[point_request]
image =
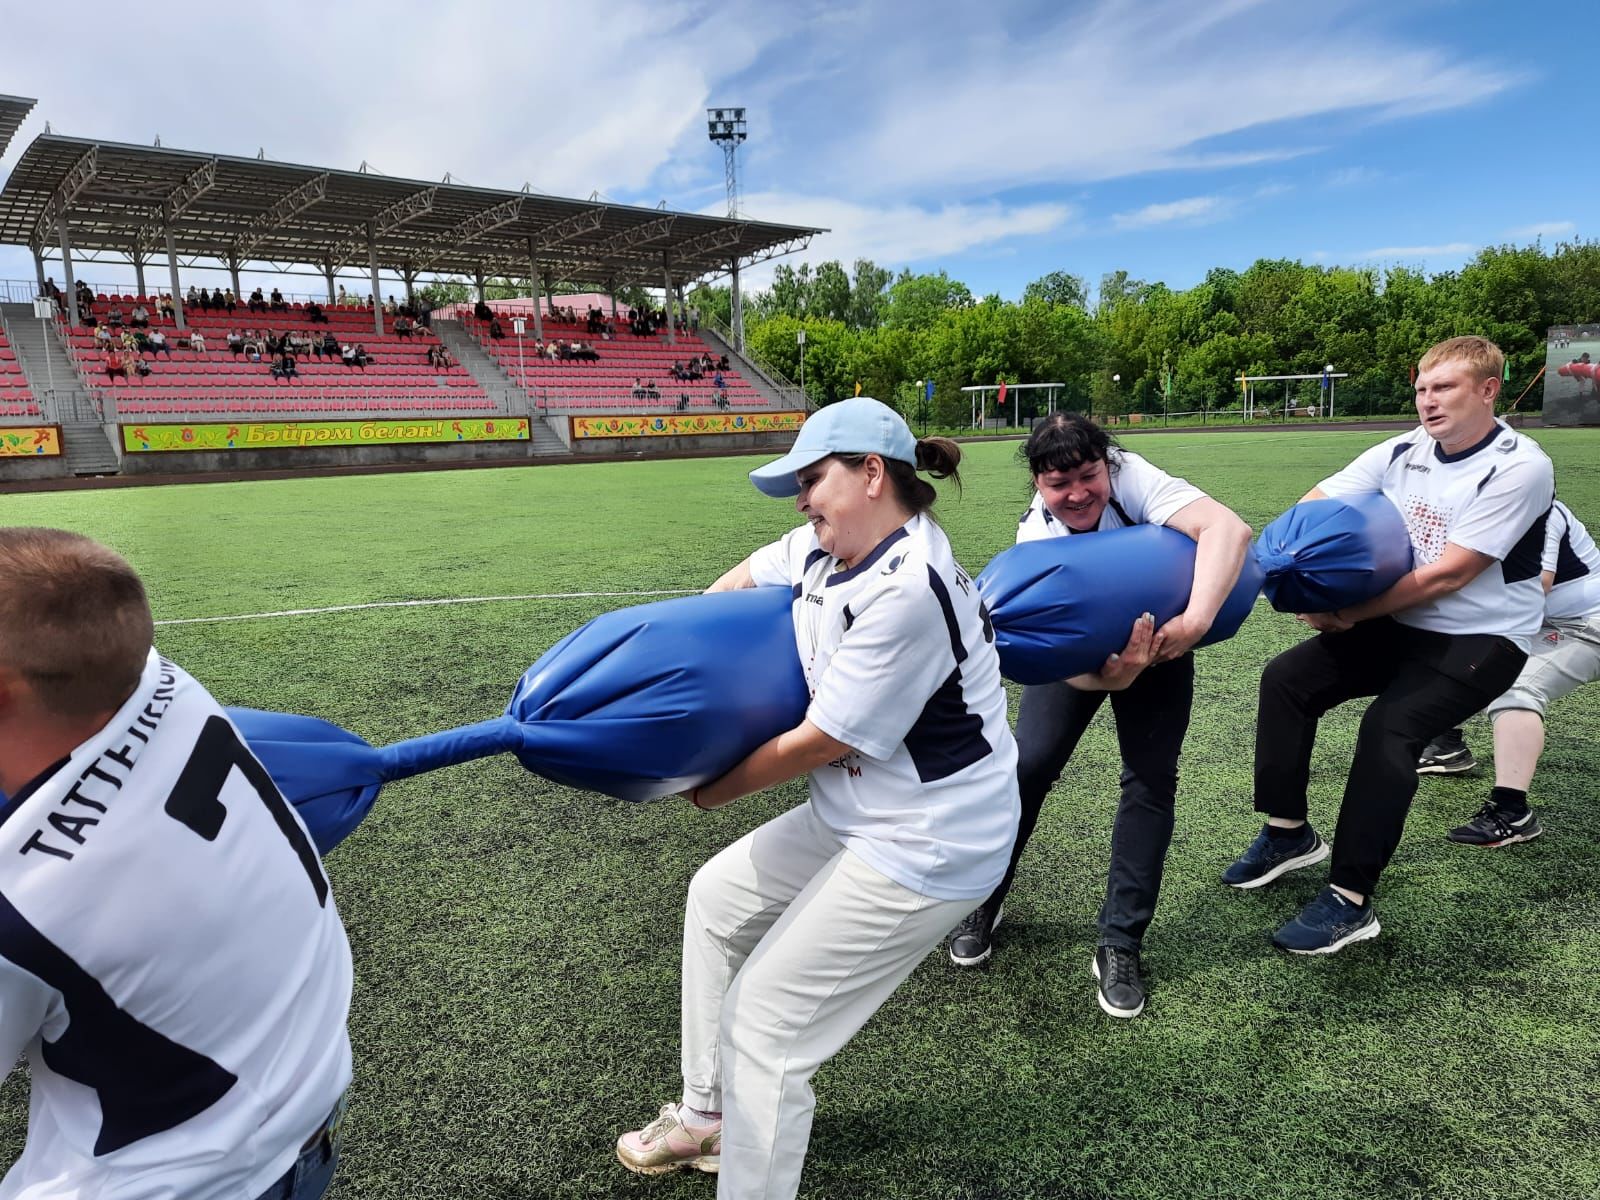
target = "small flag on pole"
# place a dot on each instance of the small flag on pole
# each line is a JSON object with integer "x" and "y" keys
{"x": 1000, "y": 403}
{"x": 858, "y": 387}
{"x": 1505, "y": 376}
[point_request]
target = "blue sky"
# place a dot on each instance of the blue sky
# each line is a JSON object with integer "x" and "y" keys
{"x": 997, "y": 141}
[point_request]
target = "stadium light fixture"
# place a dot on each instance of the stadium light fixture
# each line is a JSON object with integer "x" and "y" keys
{"x": 726, "y": 127}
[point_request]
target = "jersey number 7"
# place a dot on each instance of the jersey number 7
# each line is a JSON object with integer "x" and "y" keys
{"x": 196, "y": 801}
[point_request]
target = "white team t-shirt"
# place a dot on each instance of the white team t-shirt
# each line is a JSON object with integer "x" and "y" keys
{"x": 171, "y": 961}
{"x": 1570, "y": 552}
{"x": 899, "y": 657}
{"x": 1141, "y": 494}
{"x": 1492, "y": 498}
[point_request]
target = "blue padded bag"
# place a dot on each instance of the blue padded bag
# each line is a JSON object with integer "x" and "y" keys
{"x": 1324, "y": 555}
{"x": 656, "y": 699}
{"x": 1061, "y": 606}
{"x": 639, "y": 703}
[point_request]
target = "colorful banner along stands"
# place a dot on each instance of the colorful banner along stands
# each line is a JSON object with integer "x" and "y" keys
{"x": 295, "y": 435}
{"x": 30, "y": 441}
{"x": 684, "y": 424}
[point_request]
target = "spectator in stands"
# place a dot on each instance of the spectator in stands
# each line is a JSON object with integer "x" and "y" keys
{"x": 495, "y": 330}
{"x": 51, "y": 290}
{"x": 114, "y": 317}
{"x": 425, "y": 314}
{"x": 220, "y": 302}
{"x": 297, "y": 343}
{"x": 278, "y": 304}
{"x": 348, "y": 354}
{"x": 157, "y": 343}
{"x": 314, "y": 313}
{"x": 585, "y": 352}
{"x": 717, "y": 382}
{"x": 344, "y": 300}
{"x": 402, "y": 327}
{"x": 683, "y": 401}
{"x": 284, "y": 366}
{"x": 229, "y": 301}
{"x": 439, "y": 358}
{"x": 638, "y": 389}
{"x": 650, "y": 390}
{"x": 235, "y": 341}
{"x": 85, "y": 298}
{"x": 102, "y": 337}
{"x": 258, "y": 302}
{"x": 389, "y": 307}
{"x": 140, "y": 367}
{"x": 330, "y": 345}
{"x": 115, "y": 364}
{"x": 197, "y": 342}
{"x": 270, "y": 344}
{"x": 192, "y": 300}
{"x": 168, "y": 312}
{"x": 482, "y": 312}
{"x": 129, "y": 340}
{"x": 139, "y": 318}
{"x": 204, "y": 302}
{"x": 254, "y": 345}
{"x": 722, "y": 364}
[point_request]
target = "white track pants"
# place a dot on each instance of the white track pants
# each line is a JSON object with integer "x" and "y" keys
{"x": 790, "y": 943}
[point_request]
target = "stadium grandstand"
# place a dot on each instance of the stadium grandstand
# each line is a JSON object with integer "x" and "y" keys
{"x": 112, "y": 366}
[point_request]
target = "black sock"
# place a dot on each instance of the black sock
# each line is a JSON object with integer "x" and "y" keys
{"x": 1278, "y": 831}
{"x": 1509, "y": 800}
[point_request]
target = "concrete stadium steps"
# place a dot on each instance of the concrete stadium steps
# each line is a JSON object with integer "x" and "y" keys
{"x": 52, "y": 378}
{"x": 543, "y": 439}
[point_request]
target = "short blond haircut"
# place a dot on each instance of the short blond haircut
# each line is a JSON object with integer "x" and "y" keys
{"x": 1483, "y": 356}
{"x": 75, "y": 622}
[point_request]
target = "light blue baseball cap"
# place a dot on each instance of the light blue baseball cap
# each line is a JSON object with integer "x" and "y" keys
{"x": 860, "y": 425}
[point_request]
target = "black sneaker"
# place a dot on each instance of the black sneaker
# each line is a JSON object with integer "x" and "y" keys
{"x": 1447, "y": 754}
{"x": 1269, "y": 857}
{"x": 973, "y": 940}
{"x": 1121, "y": 991}
{"x": 1493, "y": 826}
{"x": 1327, "y": 925}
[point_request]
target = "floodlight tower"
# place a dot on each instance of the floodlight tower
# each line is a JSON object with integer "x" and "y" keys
{"x": 726, "y": 127}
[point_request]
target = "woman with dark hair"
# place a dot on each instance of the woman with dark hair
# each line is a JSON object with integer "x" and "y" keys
{"x": 1084, "y": 482}
{"x": 796, "y": 933}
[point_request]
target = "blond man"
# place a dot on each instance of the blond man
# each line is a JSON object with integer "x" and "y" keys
{"x": 171, "y": 962}
{"x": 1436, "y": 647}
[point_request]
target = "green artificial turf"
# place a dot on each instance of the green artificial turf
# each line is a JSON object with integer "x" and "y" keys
{"x": 516, "y": 943}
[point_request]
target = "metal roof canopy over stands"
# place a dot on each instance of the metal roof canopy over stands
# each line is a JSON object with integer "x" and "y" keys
{"x": 93, "y": 201}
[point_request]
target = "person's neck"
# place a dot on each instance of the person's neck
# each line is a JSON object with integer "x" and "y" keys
{"x": 874, "y": 533}
{"x": 28, "y": 748}
{"x": 1465, "y": 441}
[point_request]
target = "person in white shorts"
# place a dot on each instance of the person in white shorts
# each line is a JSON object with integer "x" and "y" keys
{"x": 1564, "y": 657}
{"x": 795, "y": 934}
{"x": 171, "y": 960}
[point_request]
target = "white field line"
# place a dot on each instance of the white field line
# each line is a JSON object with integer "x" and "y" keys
{"x": 341, "y": 608}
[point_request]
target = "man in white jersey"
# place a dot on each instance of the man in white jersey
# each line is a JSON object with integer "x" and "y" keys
{"x": 1439, "y": 645}
{"x": 171, "y": 960}
{"x": 1565, "y": 656}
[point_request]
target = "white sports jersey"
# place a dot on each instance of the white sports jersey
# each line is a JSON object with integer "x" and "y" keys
{"x": 1141, "y": 494}
{"x": 899, "y": 656}
{"x": 170, "y": 959}
{"x": 1492, "y": 498}
{"x": 1570, "y": 552}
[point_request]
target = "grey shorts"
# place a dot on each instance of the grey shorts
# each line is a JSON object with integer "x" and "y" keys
{"x": 1565, "y": 656}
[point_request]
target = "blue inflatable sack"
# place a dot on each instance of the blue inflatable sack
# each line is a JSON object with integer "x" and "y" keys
{"x": 639, "y": 703}
{"x": 1061, "y": 606}
{"x": 1324, "y": 555}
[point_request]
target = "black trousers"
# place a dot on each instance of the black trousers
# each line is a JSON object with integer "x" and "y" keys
{"x": 1424, "y": 683}
{"x": 1152, "y": 716}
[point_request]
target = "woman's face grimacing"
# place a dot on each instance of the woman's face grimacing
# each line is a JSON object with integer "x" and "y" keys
{"x": 1076, "y": 497}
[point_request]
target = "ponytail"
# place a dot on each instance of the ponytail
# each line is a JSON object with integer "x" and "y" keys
{"x": 936, "y": 455}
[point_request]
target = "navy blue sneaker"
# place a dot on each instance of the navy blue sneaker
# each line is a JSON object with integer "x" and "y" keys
{"x": 1269, "y": 857}
{"x": 1327, "y": 925}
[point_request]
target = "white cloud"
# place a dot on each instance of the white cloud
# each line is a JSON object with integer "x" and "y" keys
{"x": 1553, "y": 229}
{"x": 1120, "y": 89}
{"x": 898, "y": 235}
{"x": 1447, "y": 250}
{"x": 1196, "y": 210}
{"x": 1354, "y": 177}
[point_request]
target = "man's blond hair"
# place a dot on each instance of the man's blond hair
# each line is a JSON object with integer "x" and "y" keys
{"x": 1483, "y": 356}
{"x": 74, "y": 620}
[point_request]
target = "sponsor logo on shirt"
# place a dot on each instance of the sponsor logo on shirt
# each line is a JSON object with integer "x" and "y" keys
{"x": 1416, "y": 467}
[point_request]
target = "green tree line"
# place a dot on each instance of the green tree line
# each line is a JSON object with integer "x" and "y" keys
{"x": 1184, "y": 350}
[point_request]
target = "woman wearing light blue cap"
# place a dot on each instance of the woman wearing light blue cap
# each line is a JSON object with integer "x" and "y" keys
{"x": 799, "y": 931}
